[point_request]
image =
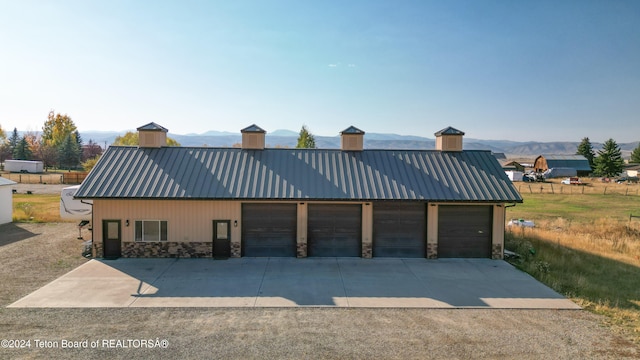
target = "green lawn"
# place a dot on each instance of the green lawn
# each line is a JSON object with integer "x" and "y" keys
{"x": 576, "y": 208}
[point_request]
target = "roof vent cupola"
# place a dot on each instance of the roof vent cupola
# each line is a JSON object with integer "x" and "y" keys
{"x": 253, "y": 137}
{"x": 152, "y": 135}
{"x": 449, "y": 139}
{"x": 352, "y": 139}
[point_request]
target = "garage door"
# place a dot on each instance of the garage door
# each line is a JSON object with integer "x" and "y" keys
{"x": 464, "y": 231}
{"x": 334, "y": 230}
{"x": 268, "y": 230}
{"x": 399, "y": 229}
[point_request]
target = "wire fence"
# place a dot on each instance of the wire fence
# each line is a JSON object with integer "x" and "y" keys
{"x": 593, "y": 189}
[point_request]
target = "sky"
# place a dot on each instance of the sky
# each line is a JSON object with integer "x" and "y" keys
{"x": 543, "y": 70}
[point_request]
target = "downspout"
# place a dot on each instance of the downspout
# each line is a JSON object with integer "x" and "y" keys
{"x": 504, "y": 220}
{"x": 91, "y": 228}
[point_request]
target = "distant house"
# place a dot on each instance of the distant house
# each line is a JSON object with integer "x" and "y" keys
{"x": 158, "y": 201}
{"x": 499, "y": 156}
{"x": 562, "y": 163}
{"x": 631, "y": 170}
{"x": 6, "y": 201}
{"x": 512, "y": 165}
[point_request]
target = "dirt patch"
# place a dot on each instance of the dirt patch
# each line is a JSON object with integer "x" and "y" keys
{"x": 35, "y": 254}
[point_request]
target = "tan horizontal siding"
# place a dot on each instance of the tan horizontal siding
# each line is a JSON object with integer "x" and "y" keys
{"x": 188, "y": 220}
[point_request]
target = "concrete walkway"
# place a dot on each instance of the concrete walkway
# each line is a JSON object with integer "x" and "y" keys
{"x": 289, "y": 282}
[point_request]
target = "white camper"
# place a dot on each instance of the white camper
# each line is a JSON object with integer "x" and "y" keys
{"x": 71, "y": 208}
{"x": 23, "y": 166}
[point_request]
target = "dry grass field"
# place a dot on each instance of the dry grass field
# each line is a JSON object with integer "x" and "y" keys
{"x": 40, "y": 208}
{"x": 587, "y": 248}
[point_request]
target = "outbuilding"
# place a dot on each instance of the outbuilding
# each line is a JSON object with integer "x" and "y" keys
{"x": 6, "y": 201}
{"x": 158, "y": 201}
{"x": 575, "y": 164}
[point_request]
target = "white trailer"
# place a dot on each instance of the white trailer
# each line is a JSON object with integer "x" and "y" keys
{"x": 71, "y": 208}
{"x": 24, "y": 166}
{"x": 514, "y": 175}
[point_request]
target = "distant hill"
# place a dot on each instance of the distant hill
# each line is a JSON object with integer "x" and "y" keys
{"x": 288, "y": 138}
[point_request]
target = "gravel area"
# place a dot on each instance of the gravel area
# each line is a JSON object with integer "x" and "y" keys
{"x": 34, "y": 254}
{"x": 40, "y": 188}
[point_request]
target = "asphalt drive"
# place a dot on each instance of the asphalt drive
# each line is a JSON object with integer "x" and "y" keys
{"x": 290, "y": 282}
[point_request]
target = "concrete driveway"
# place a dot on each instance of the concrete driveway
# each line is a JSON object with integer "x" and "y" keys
{"x": 289, "y": 282}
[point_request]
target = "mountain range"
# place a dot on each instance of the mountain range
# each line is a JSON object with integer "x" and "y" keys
{"x": 288, "y": 138}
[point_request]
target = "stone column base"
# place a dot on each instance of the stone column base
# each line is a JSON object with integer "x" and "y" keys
{"x": 496, "y": 252}
{"x": 301, "y": 250}
{"x": 236, "y": 250}
{"x": 367, "y": 250}
{"x": 432, "y": 251}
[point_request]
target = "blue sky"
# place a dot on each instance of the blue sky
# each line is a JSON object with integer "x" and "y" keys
{"x": 519, "y": 70}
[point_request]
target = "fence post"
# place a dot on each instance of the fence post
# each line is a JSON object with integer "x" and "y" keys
{"x": 530, "y": 191}
{"x": 605, "y": 191}
{"x": 553, "y": 192}
{"x": 583, "y": 190}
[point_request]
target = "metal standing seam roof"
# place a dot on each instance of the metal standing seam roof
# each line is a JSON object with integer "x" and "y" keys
{"x": 296, "y": 174}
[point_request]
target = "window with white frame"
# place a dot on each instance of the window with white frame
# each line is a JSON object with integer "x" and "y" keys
{"x": 151, "y": 230}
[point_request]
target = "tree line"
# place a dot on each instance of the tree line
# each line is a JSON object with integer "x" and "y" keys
{"x": 59, "y": 145}
{"x": 608, "y": 161}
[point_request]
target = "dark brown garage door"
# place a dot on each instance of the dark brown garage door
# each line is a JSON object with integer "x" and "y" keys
{"x": 464, "y": 231}
{"x": 399, "y": 229}
{"x": 268, "y": 230}
{"x": 334, "y": 230}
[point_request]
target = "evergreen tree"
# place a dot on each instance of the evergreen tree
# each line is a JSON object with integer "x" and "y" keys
{"x": 586, "y": 149}
{"x": 69, "y": 153}
{"x": 635, "y": 155}
{"x": 78, "y": 138}
{"x": 306, "y": 140}
{"x": 14, "y": 139}
{"x": 22, "y": 150}
{"x": 609, "y": 162}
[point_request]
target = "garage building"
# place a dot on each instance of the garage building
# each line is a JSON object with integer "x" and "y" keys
{"x": 158, "y": 201}
{"x": 6, "y": 200}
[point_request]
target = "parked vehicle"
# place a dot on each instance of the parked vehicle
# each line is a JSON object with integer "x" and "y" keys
{"x": 571, "y": 181}
{"x": 71, "y": 208}
{"x": 629, "y": 179}
{"x": 521, "y": 222}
